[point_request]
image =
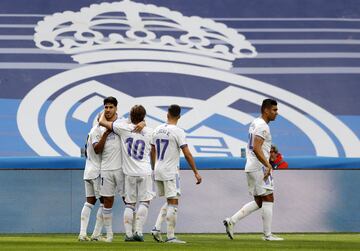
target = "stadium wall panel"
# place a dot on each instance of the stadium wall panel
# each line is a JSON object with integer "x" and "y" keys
{"x": 50, "y": 200}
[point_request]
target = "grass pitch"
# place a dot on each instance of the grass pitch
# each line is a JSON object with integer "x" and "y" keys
{"x": 206, "y": 242}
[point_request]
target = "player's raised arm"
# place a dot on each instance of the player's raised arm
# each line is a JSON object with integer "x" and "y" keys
{"x": 258, "y": 142}
{"x": 189, "y": 158}
{"x": 99, "y": 146}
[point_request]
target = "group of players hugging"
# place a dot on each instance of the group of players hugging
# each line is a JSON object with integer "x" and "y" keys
{"x": 124, "y": 156}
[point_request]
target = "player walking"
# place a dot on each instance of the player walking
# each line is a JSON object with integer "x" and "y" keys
{"x": 167, "y": 141}
{"x": 258, "y": 172}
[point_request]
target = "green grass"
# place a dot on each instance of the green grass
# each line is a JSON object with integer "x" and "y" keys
{"x": 206, "y": 242}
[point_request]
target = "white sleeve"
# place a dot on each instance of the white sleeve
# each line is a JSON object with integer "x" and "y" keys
{"x": 152, "y": 138}
{"x": 261, "y": 131}
{"x": 120, "y": 126}
{"x": 95, "y": 136}
{"x": 181, "y": 138}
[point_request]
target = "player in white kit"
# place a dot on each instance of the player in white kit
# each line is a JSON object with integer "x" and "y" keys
{"x": 112, "y": 176}
{"x": 137, "y": 168}
{"x": 92, "y": 182}
{"x": 258, "y": 172}
{"x": 167, "y": 141}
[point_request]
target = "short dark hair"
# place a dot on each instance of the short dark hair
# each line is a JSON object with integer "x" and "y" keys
{"x": 174, "y": 111}
{"x": 110, "y": 100}
{"x": 137, "y": 114}
{"x": 267, "y": 103}
{"x": 274, "y": 148}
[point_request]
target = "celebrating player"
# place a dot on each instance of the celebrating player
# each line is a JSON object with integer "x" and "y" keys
{"x": 137, "y": 169}
{"x": 94, "y": 148}
{"x": 112, "y": 176}
{"x": 167, "y": 141}
{"x": 258, "y": 172}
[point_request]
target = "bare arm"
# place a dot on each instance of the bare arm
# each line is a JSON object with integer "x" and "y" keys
{"x": 152, "y": 156}
{"x": 139, "y": 126}
{"x": 99, "y": 146}
{"x": 258, "y": 142}
{"x": 189, "y": 158}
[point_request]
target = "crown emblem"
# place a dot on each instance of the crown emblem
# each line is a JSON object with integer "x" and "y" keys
{"x": 129, "y": 30}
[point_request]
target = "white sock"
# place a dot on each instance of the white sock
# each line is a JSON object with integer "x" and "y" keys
{"x": 128, "y": 219}
{"x": 85, "y": 215}
{"x": 141, "y": 216}
{"x": 134, "y": 220}
{"x": 171, "y": 217}
{"x": 244, "y": 211}
{"x": 267, "y": 209}
{"x": 107, "y": 217}
{"x": 99, "y": 221}
{"x": 161, "y": 217}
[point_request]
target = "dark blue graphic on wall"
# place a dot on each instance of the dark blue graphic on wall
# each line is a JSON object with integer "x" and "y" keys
{"x": 217, "y": 59}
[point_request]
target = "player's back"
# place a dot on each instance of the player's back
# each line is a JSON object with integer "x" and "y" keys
{"x": 168, "y": 140}
{"x": 261, "y": 129}
{"x": 93, "y": 160}
{"x": 135, "y": 149}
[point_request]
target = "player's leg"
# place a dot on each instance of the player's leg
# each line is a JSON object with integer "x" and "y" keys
{"x": 247, "y": 209}
{"x": 172, "y": 193}
{"x": 267, "y": 209}
{"x": 96, "y": 235}
{"x": 161, "y": 217}
{"x": 156, "y": 231}
{"x": 86, "y": 210}
{"x": 107, "y": 191}
{"x": 128, "y": 221}
{"x": 145, "y": 193}
{"x": 121, "y": 191}
{"x": 130, "y": 201}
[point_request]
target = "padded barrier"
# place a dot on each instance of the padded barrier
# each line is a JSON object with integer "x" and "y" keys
{"x": 74, "y": 163}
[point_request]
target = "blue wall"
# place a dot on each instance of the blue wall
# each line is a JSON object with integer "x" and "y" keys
{"x": 305, "y": 48}
{"x": 45, "y": 195}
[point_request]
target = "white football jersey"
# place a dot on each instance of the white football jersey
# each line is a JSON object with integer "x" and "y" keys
{"x": 257, "y": 128}
{"x": 168, "y": 140}
{"x": 135, "y": 148}
{"x": 93, "y": 160}
{"x": 111, "y": 158}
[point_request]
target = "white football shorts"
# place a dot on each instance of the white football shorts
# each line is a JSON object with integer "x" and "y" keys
{"x": 92, "y": 187}
{"x": 112, "y": 182}
{"x": 256, "y": 184}
{"x": 138, "y": 188}
{"x": 169, "y": 188}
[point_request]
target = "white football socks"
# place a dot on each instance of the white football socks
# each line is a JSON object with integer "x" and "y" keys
{"x": 85, "y": 215}
{"x": 107, "y": 217}
{"x": 267, "y": 211}
{"x": 244, "y": 211}
{"x": 128, "y": 219}
{"x": 161, "y": 217}
{"x": 171, "y": 218}
{"x": 99, "y": 221}
{"x": 141, "y": 216}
